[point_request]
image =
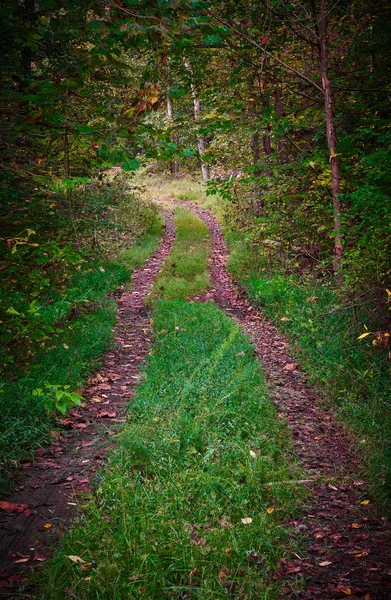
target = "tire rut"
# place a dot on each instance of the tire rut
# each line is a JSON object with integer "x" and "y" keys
{"x": 346, "y": 544}
{"x": 50, "y": 487}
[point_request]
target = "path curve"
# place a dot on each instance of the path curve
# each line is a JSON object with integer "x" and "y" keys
{"x": 347, "y": 544}
{"x": 49, "y": 488}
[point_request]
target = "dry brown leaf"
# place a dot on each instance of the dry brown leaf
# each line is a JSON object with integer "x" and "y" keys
{"x": 11, "y": 507}
{"x": 77, "y": 559}
{"x": 325, "y": 563}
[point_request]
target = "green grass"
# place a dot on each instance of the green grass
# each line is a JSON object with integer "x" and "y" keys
{"x": 323, "y": 330}
{"x": 183, "y": 189}
{"x": 82, "y": 319}
{"x": 185, "y": 273}
{"x": 202, "y": 450}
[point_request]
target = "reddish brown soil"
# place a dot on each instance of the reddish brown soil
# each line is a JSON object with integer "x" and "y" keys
{"x": 345, "y": 541}
{"x": 50, "y": 487}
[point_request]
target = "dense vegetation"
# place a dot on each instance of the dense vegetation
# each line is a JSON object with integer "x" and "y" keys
{"x": 284, "y": 105}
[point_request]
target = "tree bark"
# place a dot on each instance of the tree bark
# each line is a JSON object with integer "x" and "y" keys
{"x": 205, "y": 171}
{"x": 170, "y": 117}
{"x": 331, "y": 134}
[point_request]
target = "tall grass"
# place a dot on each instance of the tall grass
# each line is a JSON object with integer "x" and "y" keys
{"x": 192, "y": 501}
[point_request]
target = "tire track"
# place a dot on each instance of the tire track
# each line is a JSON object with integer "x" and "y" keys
{"x": 50, "y": 487}
{"x": 346, "y": 541}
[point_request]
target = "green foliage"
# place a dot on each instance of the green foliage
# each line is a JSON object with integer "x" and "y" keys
{"x": 182, "y": 506}
{"x": 56, "y": 397}
{"x": 57, "y": 318}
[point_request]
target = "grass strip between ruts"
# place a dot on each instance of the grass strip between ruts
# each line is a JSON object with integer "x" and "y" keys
{"x": 185, "y": 273}
{"x": 192, "y": 501}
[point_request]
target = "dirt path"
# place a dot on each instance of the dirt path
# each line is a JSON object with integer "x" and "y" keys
{"x": 346, "y": 542}
{"x": 49, "y": 488}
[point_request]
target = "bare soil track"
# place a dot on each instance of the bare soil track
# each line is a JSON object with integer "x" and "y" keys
{"x": 51, "y": 486}
{"x": 346, "y": 541}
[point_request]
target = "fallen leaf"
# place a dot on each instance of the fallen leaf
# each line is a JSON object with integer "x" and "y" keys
{"x": 365, "y": 502}
{"x": 10, "y": 507}
{"x": 356, "y": 526}
{"x": 361, "y": 554}
{"x": 225, "y": 523}
{"x": 39, "y": 557}
{"x": 21, "y": 560}
{"x": 193, "y": 572}
{"x": 290, "y": 367}
{"x": 252, "y": 453}
{"x": 290, "y": 570}
{"x": 343, "y": 590}
{"x": 270, "y": 511}
{"x": 77, "y": 559}
{"x": 325, "y": 563}
{"x": 48, "y": 525}
{"x": 246, "y": 520}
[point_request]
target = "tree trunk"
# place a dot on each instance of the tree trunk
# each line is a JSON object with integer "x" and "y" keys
{"x": 197, "y": 110}
{"x": 331, "y": 134}
{"x": 170, "y": 117}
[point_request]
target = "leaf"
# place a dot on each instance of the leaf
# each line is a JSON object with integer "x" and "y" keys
{"x": 77, "y": 559}
{"x": 364, "y": 335}
{"x": 365, "y": 502}
{"x": 325, "y": 563}
{"x": 212, "y": 40}
{"x": 22, "y": 560}
{"x": 188, "y": 152}
{"x": 48, "y": 525}
{"x": 246, "y": 520}
{"x": 11, "y": 507}
{"x": 130, "y": 165}
{"x": 176, "y": 92}
{"x": 290, "y": 367}
{"x": 252, "y": 453}
{"x": 343, "y": 590}
{"x": 270, "y": 511}
{"x": 12, "y": 311}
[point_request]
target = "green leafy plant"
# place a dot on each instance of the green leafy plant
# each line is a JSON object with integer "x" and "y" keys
{"x": 57, "y": 397}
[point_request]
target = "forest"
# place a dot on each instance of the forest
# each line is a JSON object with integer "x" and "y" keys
{"x": 195, "y": 263}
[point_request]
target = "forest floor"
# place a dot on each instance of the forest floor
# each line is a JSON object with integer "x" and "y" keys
{"x": 344, "y": 540}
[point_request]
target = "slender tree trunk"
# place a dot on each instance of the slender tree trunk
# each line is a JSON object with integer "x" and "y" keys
{"x": 197, "y": 111}
{"x": 280, "y": 112}
{"x": 331, "y": 134}
{"x": 170, "y": 117}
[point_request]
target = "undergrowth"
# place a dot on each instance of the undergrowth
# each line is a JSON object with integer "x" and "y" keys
{"x": 58, "y": 319}
{"x": 192, "y": 500}
{"x": 324, "y": 331}
{"x": 185, "y": 273}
